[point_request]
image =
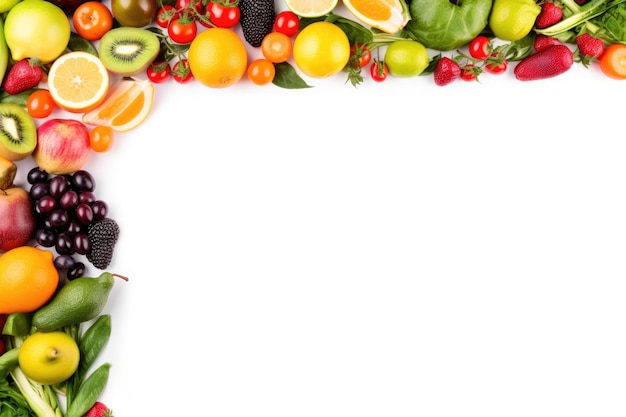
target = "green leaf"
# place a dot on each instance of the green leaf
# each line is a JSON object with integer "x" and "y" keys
{"x": 78, "y": 43}
{"x": 287, "y": 77}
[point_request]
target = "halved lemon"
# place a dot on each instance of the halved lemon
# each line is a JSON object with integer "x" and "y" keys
{"x": 78, "y": 81}
{"x": 390, "y": 16}
{"x": 127, "y": 105}
{"x": 311, "y": 8}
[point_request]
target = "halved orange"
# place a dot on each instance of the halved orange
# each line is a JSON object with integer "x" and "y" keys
{"x": 78, "y": 81}
{"x": 311, "y": 8}
{"x": 390, "y": 16}
{"x": 127, "y": 105}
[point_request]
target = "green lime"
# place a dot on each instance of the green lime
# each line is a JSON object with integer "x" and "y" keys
{"x": 406, "y": 58}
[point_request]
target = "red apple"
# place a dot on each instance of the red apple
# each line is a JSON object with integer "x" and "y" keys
{"x": 62, "y": 146}
{"x": 17, "y": 221}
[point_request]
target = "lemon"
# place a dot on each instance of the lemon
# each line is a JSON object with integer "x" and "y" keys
{"x": 406, "y": 58}
{"x": 321, "y": 49}
{"x": 49, "y": 358}
{"x": 36, "y": 29}
{"x": 311, "y": 8}
{"x": 511, "y": 20}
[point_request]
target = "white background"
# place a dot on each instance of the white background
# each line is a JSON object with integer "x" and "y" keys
{"x": 396, "y": 249}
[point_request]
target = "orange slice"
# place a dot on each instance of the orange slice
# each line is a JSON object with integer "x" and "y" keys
{"x": 127, "y": 105}
{"x": 390, "y": 16}
{"x": 78, "y": 81}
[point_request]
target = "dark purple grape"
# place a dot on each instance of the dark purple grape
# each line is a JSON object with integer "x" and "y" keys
{"x": 63, "y": 262}
{"x": 58, "y": 185}
{"x": 58, "y": 218}
{"x": 76, "y": 271}
{"x": 86, "y": 197}
{"x": 84, "y": 213}
{"x": 36, "y": 175}
{"x": 38, "y": 190}
{"x": 81, "y": 243}
{"x": 64, "y": 244}
{"x": 74, "y": 227}
{"x": 100, "y": 209}
{"x": 83, "y": 181}
{"x": 45, "y": 237}
{"x": 69, "y": 199}
{"x": 45, "y": 204}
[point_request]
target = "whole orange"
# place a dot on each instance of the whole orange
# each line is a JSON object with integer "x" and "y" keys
{"x": 28, "y": 279}
{"x": 217, "y": 57}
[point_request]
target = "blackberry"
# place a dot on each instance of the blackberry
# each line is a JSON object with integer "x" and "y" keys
{"x": 257, "y": 19}
{"x": 102, "y": 235}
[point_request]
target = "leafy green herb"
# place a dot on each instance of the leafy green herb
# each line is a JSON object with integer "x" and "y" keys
{"x": 287, "y": 77}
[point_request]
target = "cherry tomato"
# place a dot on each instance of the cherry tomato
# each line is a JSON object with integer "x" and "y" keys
{"x": 92, "y": 20}
{"x": 379, "y": 71}
{"x": 261, "y": 71}
{"x": 40, "y": 104}
{"x": 101, "y": 138}
{"x": 181, "y": 72}
{"x": 159, "y": 72}
{"x": 182, "y": 30}
{"x": 468, "y": 73}
{"x": 480, "y": 47}
{"x": 165, "y": 15}
{"x": 189, "y": 8}
{"x": 498, "y": 64}
{"x": 287, "y": 22}
{"x": 613, "y": 61}
{"x": 223, "y": 16}
{"x": 360, "y": 55}
{"x": 276, "y": 47}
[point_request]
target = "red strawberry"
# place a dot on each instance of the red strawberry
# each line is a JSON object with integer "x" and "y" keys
{"x": 549, "y": 15}
{"x": 550, "y": 62}
{"x": 543, "y": 41}
{"x": 446, "y": 71}
{"x": 99, "y": 410}
{"x": 24, "y": 74}
{"x": 589, "y": 48}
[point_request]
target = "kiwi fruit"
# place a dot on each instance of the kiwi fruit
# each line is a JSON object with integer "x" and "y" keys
{"x": 18, "y": 132}
{"x": 128, "y": 51}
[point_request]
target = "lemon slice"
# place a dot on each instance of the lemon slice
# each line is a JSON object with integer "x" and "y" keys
{"x": 78, "y": 81}
{"x": 387, "y": 15}
{"x": 311, "y": 8}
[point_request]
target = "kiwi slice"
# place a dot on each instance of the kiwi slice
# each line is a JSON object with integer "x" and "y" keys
{"x": 128, "y": 51}
{"x": 18, "y": 132}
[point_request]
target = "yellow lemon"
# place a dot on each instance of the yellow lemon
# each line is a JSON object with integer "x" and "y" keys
{"x": 321, "y": 49}
{"x": 36, "y": 29}
{"x": 49, "y": 358}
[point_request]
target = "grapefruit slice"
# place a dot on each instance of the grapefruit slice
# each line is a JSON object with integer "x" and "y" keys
{"x": 127, "y": 105}
{"x": 311, "y": 8}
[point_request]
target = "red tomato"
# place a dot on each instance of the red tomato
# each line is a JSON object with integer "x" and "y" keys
{"x": 189, "y": 7}
{"x": 613, "y": 61}
{"x": 360, "y": 55}
{"x": 223, "y": 16}
{"x": 497, "y": 66}
{"x": 159, "y": 72}
{"x": 182, "y": 30}
{"x": 287, "y": 22}
{"x": 40, "y": 104}
{"x": 379, "y": 71}
{"x": 181, "y": 71}
{"x": 92, "y": 20}
{"x": 468, "y": 73}
{"x": 165, "y": 15}
{"x": 480, "y": 47}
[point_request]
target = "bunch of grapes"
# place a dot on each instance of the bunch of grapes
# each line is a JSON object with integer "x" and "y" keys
{"x": 65, "y": 206}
